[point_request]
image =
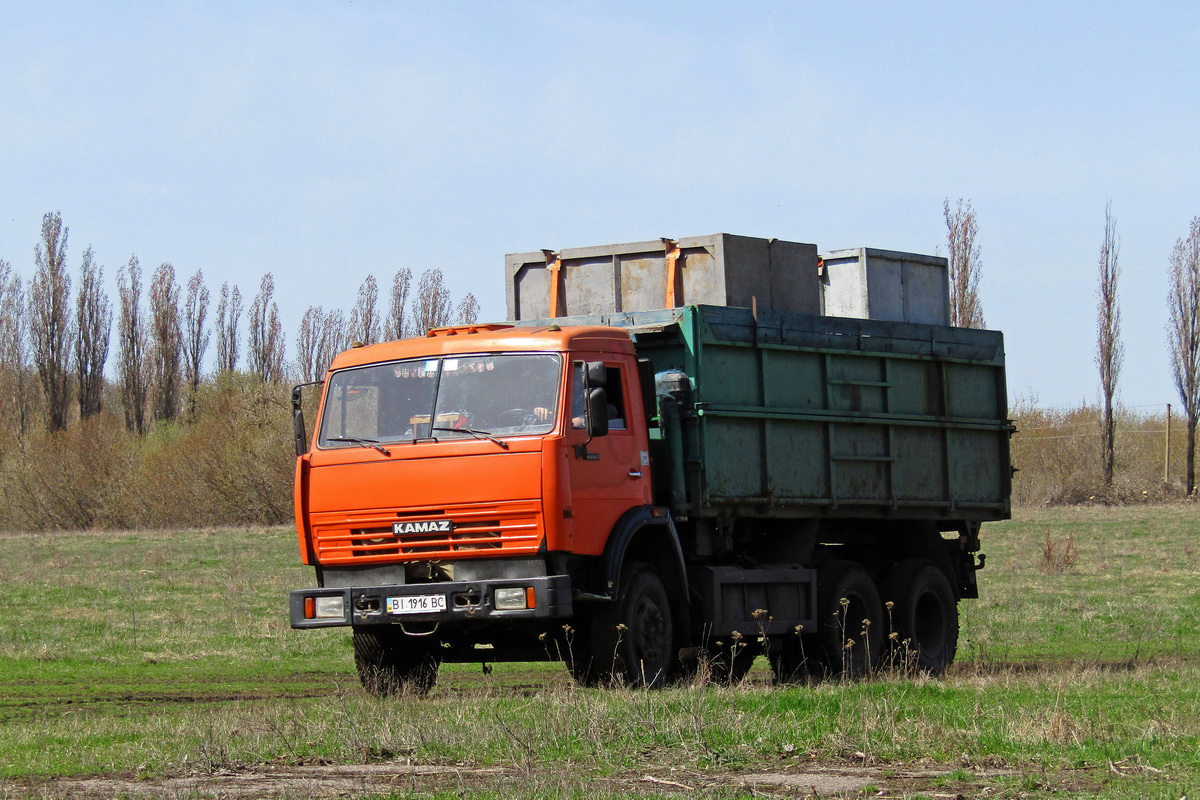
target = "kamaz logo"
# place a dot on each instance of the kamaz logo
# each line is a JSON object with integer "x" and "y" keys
{"x": 431, "y": 526}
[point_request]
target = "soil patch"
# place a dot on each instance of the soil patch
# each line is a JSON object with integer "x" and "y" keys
{"x": 364, "y": 780}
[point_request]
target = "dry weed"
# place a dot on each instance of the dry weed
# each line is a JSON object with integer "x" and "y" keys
{"x": 1058, "y": 557}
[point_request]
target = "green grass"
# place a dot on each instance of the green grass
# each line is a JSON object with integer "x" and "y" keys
{"x": 1131, "y": 594}
{"x": 160, "y": 654}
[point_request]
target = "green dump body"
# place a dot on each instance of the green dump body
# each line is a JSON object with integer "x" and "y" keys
{"x": 791, "y": 415}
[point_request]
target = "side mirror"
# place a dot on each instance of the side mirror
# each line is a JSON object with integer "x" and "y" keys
{"x": 597, "y": 375}
{"x": 298, "y": 433}
{"x": 597, "y": 413}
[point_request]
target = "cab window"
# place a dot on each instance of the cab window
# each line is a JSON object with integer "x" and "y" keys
{"x": 614, "y": 390}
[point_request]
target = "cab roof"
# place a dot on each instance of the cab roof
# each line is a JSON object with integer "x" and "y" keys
{"x": 490, "y": 338}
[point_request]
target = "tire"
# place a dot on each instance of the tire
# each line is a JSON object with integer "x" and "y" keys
{"x": 390, "y": 662}
{"x": 632, "y": 640}
{"x": 850, "y": 621}
{"x": 924, "y": 616}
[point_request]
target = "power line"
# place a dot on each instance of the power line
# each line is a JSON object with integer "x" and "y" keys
{"x": 1085, "y": 435}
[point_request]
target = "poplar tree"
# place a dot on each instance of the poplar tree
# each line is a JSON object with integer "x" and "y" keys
{"x": 1109, "y": 351}
{"x": 265, "y": 344}
{"x": 1183, "y": 301}
{"x": 14, "y": 383}
{"x": 195, "y": 335}
{"x": 431, "y": 306}
{"x": 396, "y": 326}
{"x": 308, "y": 345}
{"x": 93, "y": 326}
{"x": 229, "y": 313}
{"x": 50, "y": 320}
{"x": 468, "y": 310}
{"x": 167, "y": 342}
{"x": 962, "y": 228}
{"x": 132, "y": 363}
{"x": 335, "y": 337}
{"x": 364, "y": 318}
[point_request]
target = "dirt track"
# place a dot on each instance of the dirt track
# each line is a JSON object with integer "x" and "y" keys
{"x": 353, "y": 780}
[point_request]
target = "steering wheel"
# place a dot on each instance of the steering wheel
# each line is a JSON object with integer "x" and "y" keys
{"x": 514, "y": 417}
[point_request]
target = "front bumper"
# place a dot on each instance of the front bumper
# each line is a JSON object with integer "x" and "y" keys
{"x": 466, "y": 602}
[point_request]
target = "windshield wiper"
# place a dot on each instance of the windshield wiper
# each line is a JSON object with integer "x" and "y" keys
{"x": 476, "y": 434}
{"x": 371, "y": 443}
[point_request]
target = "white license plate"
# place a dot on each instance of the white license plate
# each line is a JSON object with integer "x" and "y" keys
{"x": 416, "y": 604}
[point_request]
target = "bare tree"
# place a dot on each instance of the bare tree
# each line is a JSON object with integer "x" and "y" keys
{"x": 468, "y": 310}
{"x": 1109, "y": 351}
{"x": 308, "y": 344}
{"x": 93, "y": 324}
{"x": 431, "y": 306}
{"x": 966, "y": 311}
{"x": 132, "y": 366}
{"x": 50, "y": 320}
{"x": 166, "y": 352}
{"x": 195, "y": 335}
{"x": 1183, "y": 330}
{"x": 322, "y": 335}
{"x": 265, "y": 349}
{"x": 364, "y": 318}
{"x": 335, "y": 337}
{"x": 396, "y": 324}
{"x": 229, "y": 312}
{"x": 14, "y": 386}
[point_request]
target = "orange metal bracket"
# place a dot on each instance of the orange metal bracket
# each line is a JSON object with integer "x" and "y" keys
{"x": 554, "y": 264}
{"x": 674, "y": 254}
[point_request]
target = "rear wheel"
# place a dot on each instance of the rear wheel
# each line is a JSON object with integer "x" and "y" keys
{"x": 849, "y": 621}
{"x": 631, "y": 640}
{"x": 924, "y": 616}
{"x": 391, "y": 662}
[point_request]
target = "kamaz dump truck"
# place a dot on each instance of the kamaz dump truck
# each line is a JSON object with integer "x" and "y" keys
{"x": 668, "y": 459}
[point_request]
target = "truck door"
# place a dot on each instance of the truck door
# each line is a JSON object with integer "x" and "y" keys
{"x": 613, "y": 475}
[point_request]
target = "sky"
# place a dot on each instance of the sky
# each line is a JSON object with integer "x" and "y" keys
{"x": 325, "y": 141}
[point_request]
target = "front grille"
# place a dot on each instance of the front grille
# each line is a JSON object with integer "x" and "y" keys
{"x": 510, "y": 529}
{"x": 484, "y": 535}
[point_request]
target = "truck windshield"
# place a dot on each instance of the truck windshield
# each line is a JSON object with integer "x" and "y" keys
{"x": 512, "y": 394}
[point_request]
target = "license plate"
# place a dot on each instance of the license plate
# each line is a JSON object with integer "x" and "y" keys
{"x": 416, "y": 604}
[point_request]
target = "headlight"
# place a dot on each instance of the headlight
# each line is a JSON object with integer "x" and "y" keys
{"x": 510, "y": 599}
{"x": 330, "y": 608}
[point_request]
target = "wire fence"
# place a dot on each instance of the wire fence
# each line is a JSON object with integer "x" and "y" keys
{"x": 1059, "y": 454}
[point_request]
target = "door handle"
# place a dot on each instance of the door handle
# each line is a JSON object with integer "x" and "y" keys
{"x": 635, "y": 473}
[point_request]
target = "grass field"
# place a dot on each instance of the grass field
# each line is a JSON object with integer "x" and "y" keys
{"x": 160, "y": 663}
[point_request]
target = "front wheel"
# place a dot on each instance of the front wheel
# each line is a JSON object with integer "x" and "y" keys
{"x": 631, "y": 640}
{"x": 391, "y": 662}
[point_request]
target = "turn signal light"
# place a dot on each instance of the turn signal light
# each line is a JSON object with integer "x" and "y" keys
{"x": 324, "y": 608}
